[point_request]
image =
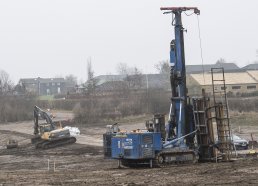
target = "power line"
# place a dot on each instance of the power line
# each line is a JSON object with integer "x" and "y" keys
{"x": 200, "y": 40}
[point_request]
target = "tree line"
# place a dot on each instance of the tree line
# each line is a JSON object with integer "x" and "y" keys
{"x": 126, "y": 100}
{"x": 91, "y": 108}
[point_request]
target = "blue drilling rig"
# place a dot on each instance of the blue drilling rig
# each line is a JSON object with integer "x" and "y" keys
{"x": 162, "y": 143}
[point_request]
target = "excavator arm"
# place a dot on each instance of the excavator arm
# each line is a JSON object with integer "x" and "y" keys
{"x": 38, "y": 112}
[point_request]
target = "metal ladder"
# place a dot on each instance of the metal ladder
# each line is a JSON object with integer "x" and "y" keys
{"x": 222, "y": 113}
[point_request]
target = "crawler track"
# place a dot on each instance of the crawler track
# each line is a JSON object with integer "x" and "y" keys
{"x": 171, "y": 157}
{"x": 52, "y": 144}
{"x": 165, "y": 158}
{"x": 44, "y": 144}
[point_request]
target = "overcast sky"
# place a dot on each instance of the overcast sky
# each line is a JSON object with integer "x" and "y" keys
{"x": 49, "y": 38}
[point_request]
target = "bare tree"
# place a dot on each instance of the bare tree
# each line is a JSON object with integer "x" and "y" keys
{"x": 220, "y": 61}
{"x": 6, "y": 85}
{"x": 122, "y": 69}
{"x": 135, "y": 79}
{"x": 91, "y": 83}
{"x": 71, "y": 79}
{"x": 163, "y": 67}
{"x": 71, "y": 83}
{"x": 20, "y": 88}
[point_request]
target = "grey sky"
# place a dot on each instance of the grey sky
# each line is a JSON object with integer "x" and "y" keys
{"x": 48, "y": 38}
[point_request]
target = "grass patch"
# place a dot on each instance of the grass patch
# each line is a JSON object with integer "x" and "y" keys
{"x": 46, "y": 97}
{"x": 244, "y": 119}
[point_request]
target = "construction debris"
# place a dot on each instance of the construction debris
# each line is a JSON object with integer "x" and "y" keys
{"x": 74, "y": 131}
{"x": 11, "y": 143}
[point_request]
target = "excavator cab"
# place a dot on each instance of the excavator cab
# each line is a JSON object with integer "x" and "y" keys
{"x": 44, "y": 128}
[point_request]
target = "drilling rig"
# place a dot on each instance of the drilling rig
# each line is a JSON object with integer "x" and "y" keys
{"x": 186, "y": 136}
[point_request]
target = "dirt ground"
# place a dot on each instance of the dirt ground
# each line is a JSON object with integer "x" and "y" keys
{"x": 83, "y": 163}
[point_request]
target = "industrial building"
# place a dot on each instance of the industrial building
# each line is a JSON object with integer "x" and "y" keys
{"x": 237, "y": 83}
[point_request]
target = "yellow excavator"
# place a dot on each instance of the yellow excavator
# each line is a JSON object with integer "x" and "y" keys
{"x": 46, "y": 135}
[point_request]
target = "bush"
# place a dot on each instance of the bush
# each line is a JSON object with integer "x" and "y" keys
{"x": 20, "y": 108}
{"x": 16, "y": 108}
{"x": 87, "y": 111}
{"x": 112, "y": 107}
{"x": 243, "y": 105}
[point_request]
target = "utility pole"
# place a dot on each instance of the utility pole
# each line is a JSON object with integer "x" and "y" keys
{"x": 38, "y": 86}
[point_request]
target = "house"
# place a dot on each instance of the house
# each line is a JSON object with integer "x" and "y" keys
{"x": 145, "y": 80}
{"x": 109, "y": 78}
{"x": 156, "y": 81}
{"x": 44, "y": 86}
{"x": 112, "y": 88}
{"x": 109, "y": 83}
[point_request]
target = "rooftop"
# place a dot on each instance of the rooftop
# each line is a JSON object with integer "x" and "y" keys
{"x": 251, "y": 67}
{"x": 207, "y": 68}
{"x": 230, "y": 78}
{"x": 42, "y": 80}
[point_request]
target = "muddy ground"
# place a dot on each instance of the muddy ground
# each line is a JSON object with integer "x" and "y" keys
{"x": 83, "y": 164}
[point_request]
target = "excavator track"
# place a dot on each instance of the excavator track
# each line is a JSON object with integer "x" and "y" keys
{"x": 174, "y": 157}
{"x": 51, "y": 144}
